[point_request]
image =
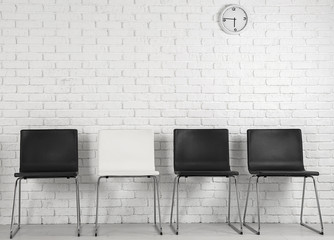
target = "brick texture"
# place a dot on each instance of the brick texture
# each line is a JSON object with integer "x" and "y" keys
{"x": 165, "y": 64}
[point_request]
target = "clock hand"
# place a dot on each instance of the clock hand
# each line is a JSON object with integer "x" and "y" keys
{"x": 234, "y": 21}
{"x": 229, "y": 18}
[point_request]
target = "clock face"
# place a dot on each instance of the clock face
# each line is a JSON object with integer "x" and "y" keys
{"x": 233, "y": 19}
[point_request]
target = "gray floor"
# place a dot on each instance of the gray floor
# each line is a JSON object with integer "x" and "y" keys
{"x": 148, "y": 232}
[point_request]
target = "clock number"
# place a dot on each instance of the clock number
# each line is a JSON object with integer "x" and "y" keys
{"x": 233, "y": 9}
{"x": 235, "y": 29}
{"x": 245, "y": 18}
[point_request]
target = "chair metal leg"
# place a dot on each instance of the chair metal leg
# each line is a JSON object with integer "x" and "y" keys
{"x": 176, "y": 187}
{"x": 258, "y": 206}
{"x": 318, "y": 204}
{"x": 12, "y": 224}
{"x": 78, "y": 206}
{"x": 177, "y": 206}
{"x": 19, "y": 222}
{"x": 229, "y": 205}
{"x": 13, "y": 230}
{"x": 97, "y": 205}
{"x": 238, "y": 202}
{"x": 173, "y": 197}
{"x": 229, "y": 201}
{"x": 246, "y": 204}
{"x": 155, "y": 204}
{"x": 157, "y": 195}
{"x": 156, "y": 191}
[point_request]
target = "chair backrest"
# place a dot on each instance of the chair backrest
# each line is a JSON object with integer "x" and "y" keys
{"x": 125, "y": 150}
{"x": 275, "y": 150}
{"x": 49, "y": 150}
{"x": 201, "y": 150}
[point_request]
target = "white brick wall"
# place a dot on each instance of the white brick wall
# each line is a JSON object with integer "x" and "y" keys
{"x": 165, "y": 64}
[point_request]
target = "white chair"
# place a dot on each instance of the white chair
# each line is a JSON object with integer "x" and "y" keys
{"x": 127, "y": 153}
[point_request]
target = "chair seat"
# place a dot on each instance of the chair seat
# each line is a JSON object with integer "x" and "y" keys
{"x": 207, "y": 173}
{"x": 129, "y": 173}
{"x": 46, "y": 174}
{"x": 285, "y": 173}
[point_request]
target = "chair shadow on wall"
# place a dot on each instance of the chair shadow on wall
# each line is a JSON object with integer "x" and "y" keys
{"x": 238, "y": 159}
{"x": 166, "y": 160}
{"x": 87, "y": 206}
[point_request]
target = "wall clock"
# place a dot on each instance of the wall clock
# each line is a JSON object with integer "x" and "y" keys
{"x": 233, "y": 19}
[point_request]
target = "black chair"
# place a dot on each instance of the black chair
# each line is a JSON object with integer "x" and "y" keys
{"x": 277, "y": 153}
{"x": 202, "y": 153}
{"x": 47, "y": 154}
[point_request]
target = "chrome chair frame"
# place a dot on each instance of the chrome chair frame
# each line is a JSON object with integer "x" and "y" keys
{"x": 156, "y": 194}
{"x": 321, "y": 231}
{"x": 13, "y": 230}
{"x": 176, "y": 185}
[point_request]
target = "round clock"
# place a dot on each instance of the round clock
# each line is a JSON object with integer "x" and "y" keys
{"x": 233, "y": 19}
